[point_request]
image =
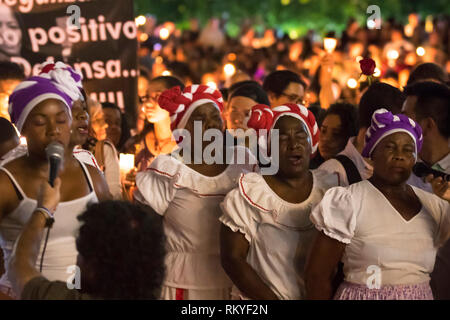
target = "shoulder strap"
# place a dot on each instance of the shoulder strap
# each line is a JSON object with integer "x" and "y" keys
{"x": 99, "y": 154}
{"x": 20, "y": 194}
{"x": 87, "y": 175}
{"x": 352, "y": 172}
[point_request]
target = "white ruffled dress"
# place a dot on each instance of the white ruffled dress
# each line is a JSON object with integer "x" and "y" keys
{"x": 276, "y": 230}
{"x": 189, "y": 203}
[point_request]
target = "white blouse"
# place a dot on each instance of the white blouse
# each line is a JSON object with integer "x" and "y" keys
{"x": 189, "y": 202}
{"x": 379, "y": 238}
{"x": 276, "y": 230}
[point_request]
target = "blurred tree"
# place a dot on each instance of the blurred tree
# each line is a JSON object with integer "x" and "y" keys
{"x": 298, "y": 15}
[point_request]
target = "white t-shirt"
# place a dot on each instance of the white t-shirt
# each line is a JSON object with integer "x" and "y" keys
{"x": 189, "y": 203}
{"x": 377, "y": 235}
{"x": 334, "y": 166}
{"x": 275, "y": 229}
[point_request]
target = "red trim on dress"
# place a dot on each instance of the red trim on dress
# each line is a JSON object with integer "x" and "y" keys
{"x": 250, "y": 200}
{"x": 339, "y": 178}
{"x": 179, "y": 294}
{"x": 160, "y": 172}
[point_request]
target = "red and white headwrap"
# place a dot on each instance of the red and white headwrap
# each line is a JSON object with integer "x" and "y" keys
{"x": 263, "y": 117}
{"x": 182, "y": 104}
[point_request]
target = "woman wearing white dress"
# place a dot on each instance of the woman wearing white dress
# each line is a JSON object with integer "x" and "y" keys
{"x": 187, "y": 196}
{"x": 265, "y": 221}
{"x": 385, "y": 231}
{"x": 40, "y": 109}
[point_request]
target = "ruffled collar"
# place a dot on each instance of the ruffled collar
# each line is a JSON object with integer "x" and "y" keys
{"x": 182, "y": 176}
{"x": 255, "y": 190}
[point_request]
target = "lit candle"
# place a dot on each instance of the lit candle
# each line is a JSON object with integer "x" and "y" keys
{"x": 229, "y": 69}
{"x": 393, "y": 54}
{"x": 126, "y": 162}
{"x": 352, "y": 83}
{"x": 420, "y": 51}
{"x": 329, "y": 44}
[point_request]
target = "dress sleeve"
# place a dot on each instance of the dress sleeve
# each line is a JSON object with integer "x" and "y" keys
{"x": 238, "y": 215}
{"x": 154, "y": 190}
{"x": 112, "y": 171}
{"x": 335, "y": 167}
{"x": 444, "y": 226}
{"x": 335, "y": 215}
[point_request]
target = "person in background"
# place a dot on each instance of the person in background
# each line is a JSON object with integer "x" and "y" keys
{"x": 241, "y": 102}
{"x": 339, "y": 123}
{"x": 187, "y": 196}
{"x": 9, "y": 138}
{"x": 102, "y": 275}
{"x": 156, "y": 135}
{"x": 117, "y": 131}
{"x": 428, "y": 103}
{"x": 266, "y": 232}
{"x": 284, "y": 86}
{"x": 103, "y": 150}
{"x": 11, "y": 74}
{"x": 385, "y": 231}
{"x": 428, "y": 72}
{"x": 353, "y": 164}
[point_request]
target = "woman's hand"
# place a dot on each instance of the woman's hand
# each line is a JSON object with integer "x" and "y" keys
{"x": 440, "y": 187}
{"x": 49, "y": 197}
{"x": 154, "y": 113}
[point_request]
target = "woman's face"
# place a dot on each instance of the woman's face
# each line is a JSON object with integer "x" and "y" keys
{"x": 238, "y": 111}
{"x": 48, "y": 122}
{"x": 332, "y": 138}
{"x": 210, "y": 118}
{"x": 114, "y": 121}
{"x": 98, "y": 124}
{"x": 10, "y": 32}
{"x": 394, "y": 158}
{"x": 80, "y": 123}
{"x": 294, "y": 146}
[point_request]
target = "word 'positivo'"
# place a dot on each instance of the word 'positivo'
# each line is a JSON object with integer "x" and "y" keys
{"x": 95, "y": 30}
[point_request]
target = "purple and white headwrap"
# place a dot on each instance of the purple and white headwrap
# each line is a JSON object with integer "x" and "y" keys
{"x": 65, "y": 77}
{"x": 29, "y": 93}
{"x": 385, "y": 123}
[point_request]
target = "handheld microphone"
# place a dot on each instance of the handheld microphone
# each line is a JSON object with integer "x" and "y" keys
{"x": 55, "y": 156}
{"x": 422, "y": 170}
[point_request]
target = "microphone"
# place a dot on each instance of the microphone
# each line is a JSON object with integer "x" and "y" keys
{"x": 55, "y": 156}
{"x": 422, "y": 170}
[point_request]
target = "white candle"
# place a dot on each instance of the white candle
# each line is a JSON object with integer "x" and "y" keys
{"x": 126, "y": 162}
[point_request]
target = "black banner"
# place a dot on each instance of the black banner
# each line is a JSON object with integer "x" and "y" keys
{"x": 96, "y": 37}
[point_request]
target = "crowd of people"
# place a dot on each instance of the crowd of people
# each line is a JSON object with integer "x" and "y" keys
{"x": 357, "y": 208}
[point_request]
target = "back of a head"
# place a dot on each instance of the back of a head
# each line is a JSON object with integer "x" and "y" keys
{"x": 7, "y": 130}
{"x": 110, "y": 105}
{"x": 124, "y": 245}
{"x": 277, "y": 81}
{"x": 240, "y": 84}
{"x": 10, "y": 70}
{"x": 8, "y": 137}
{"x": 428, "y": 71}
{"x": 379, "y": 95}
{"x": 169, "y": 81}
{"x": 251, "y": 91}
{"x": 433, "y": 100}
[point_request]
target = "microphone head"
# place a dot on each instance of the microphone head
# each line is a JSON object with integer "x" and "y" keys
{"x": 55, "y": 150}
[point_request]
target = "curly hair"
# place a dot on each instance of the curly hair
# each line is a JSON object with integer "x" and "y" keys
{"x": 124, "y": 245}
